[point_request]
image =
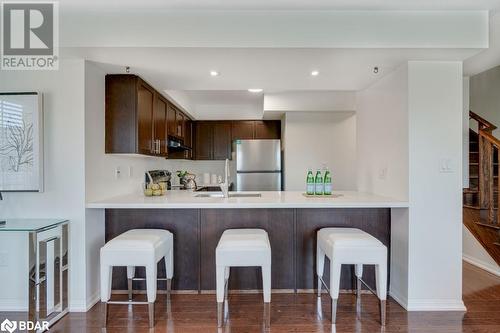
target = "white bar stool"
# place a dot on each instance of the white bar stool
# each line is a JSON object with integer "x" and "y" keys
{"x": 354, "y": 247}
{"x": 242, "y": 248}
{"x": 137, "y": 247}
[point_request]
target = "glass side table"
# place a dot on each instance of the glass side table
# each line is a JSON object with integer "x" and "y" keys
{"x": 48, "y": 266}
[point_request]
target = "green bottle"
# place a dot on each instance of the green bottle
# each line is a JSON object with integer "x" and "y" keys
{"x": 310, "y": 182}
{"x": 318, "y": 184}
{"x": 328, "y": 183}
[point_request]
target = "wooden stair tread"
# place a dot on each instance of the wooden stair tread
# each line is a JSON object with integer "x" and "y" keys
{"x": 488, "y": 225}
{"x": 471, "y": 207}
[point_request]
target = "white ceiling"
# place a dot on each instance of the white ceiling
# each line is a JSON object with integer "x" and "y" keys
{"x": 274, "y": 70}
{"x": 78, "y": 5}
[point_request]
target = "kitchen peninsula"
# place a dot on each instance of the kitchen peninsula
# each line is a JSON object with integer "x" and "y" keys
{"x": 290, "y": 218}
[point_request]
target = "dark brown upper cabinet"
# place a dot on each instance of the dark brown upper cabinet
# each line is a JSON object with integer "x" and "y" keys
{"x": 267, "y": 129}
{"x": 160, "y": 125}
{"x": 243, "y": 130}
{"x": 203, "y": 140}
{"x": 222, "y": 140}
{"x": 146, "y": 143}
{"x": 213, "y": 139}
{"x": 138, "y": 118}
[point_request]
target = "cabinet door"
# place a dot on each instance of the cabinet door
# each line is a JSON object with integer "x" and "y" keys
{"x": 160, "y": 123}
{"x": 242, "y": 130}
{"x": 268, "y": 129}
{"x": 222, "y": 140}
{"x": 145, "y": 102}
{"x": 188, "y": 137}
{"x": 204, "y": 140}
{"x": 171, "y": 122}
{"x": 180, "y": 119}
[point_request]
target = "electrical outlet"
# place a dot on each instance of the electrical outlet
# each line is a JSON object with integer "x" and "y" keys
{"x": 117, "y": 172}
{"x": 130, "y": 171}
{"x": 4, "y": 259}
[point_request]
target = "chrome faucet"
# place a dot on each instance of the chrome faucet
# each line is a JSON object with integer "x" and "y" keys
{"x": 224, "y": 186}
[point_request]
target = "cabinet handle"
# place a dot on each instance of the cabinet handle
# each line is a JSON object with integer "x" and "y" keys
{"x": 159, "y": 147}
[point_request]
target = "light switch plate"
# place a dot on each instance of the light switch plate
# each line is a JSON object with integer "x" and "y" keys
{"x": 446, "y": 165}
{"x": 4, "y": 260}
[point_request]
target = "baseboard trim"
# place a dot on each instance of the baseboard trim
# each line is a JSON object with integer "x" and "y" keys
{"x": 85, "y": 305}
{"x": 401, "y": 300}
{"x": 427, "y": 304}
{"x": 482, "y": 265}
{"x": 13, "y": 305}
{"x": 435, "y": 305}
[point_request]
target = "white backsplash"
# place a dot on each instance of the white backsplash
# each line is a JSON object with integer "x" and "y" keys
{"x": 104, "y": 184}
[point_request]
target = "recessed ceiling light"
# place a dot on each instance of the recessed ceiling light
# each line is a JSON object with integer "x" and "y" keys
{"x": 255, "y": 90}
{"x": 375, "y": 70}
{"x": 214, "y": 73}
{"x": 314, "y": 73}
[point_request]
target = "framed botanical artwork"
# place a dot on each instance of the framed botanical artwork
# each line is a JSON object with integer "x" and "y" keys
{"x": 21, "y": 142}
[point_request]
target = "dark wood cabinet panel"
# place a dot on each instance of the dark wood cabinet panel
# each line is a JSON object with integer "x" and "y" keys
{"x": 268, "y": 129}
{"x": 243, "y": 130}
{"x": 203, "y": 140}
{"x": 278, "y": 223}
{"x": 160, "y": 123}
{"x": 292, "y": 234}
{"x": 188, "y": 138}
{"x": 145, "y": 108}
{"x": 180, "y": 118}
{"x": 222, "y": 140}
{"x": 375, "y": 221}
{"x": 183, "y": 223}
{"x": 171, "y": 120}
{"x": 120, "y": 106}
{"x": 139, "y": 119}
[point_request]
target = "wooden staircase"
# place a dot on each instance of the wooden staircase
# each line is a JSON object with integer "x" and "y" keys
{"x": 481, "y": 200}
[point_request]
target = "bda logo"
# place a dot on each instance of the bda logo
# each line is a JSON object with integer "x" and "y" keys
{"x": 8, "y": 326}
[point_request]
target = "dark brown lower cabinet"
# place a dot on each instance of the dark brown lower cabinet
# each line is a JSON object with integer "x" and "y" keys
{"x": 292, "y": 233}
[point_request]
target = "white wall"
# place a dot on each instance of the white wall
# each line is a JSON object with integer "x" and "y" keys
{"x": 310, "y": 101}
{"x": 64, "y": 177}
{"x": 435, "y": 97}
{"x": 426, "y": 239}
{"x": 484, "y": 96}
{"x": 315, "y": 138}
{"x": 382, "y": 136}
{"x": 465, "y": 132}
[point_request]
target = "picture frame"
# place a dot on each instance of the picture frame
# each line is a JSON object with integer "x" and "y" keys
{"x": 21, "y": 142}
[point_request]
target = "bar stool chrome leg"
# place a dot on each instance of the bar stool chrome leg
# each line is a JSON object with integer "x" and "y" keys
{"x": 334, "y": 311}
{"x": 220, "y": 313}
{"x": 169, "y": 288}
{"x": 129, "y": 287}
{"x": 267, "y": 315}
{"x": 106, "y": 312}
{"x": 382, "y": 312}
{"x": 151, "y": 311}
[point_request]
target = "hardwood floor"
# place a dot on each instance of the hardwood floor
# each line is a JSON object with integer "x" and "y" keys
{"x": 298, "y": 313}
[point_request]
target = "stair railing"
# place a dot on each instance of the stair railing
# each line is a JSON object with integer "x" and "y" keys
{"x": 487, "y": 145}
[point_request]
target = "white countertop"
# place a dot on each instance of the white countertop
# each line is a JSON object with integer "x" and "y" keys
{"x": 271, "y": 199}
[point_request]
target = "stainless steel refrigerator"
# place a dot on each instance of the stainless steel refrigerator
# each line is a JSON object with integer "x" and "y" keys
{"x": 258, "y": 165}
